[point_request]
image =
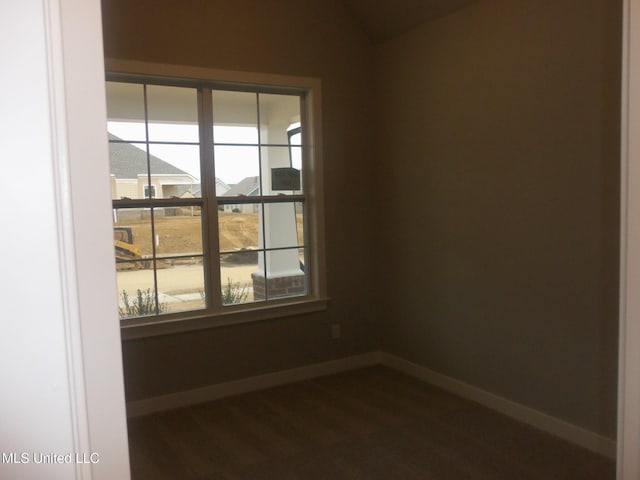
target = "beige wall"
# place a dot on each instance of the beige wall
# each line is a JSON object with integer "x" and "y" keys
{"x": 495, "y": 231}
{"x": 499, "y": 166}
{"x": 295, "y": 38}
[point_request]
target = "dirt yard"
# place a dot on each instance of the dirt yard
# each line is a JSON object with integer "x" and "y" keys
{"x": 180, "y": 284}
{"x": 183, "y": 234}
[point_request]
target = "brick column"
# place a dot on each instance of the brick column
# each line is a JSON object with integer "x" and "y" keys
{"x": 278, "y": 286}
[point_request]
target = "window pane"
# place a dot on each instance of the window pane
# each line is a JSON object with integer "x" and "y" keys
{"x": 136, "y": 292}
{"x": 128, "y": 167}
{"x": 295, "y": 137}
{"x": 285, "y": 273}
{"x": 175, "y": 170}
{"x": 237, "y": 271}
{"x": 178, "y": 231}
{"x": 296, "y": 157}
{"x": 284, "y": 225}
{"x": 132, "y": 233}
{"x": 181, "y": 284}
{"x": 172, "y": 114}
{"x": 235, "y": 117}
{"x": 125, "y": 111}
{"x": 299, "y": 209}
{"x": 281, "y": 175}
{"x": 238, "y": 227}
{"x": 239, "y": 168}
{"x": 302, "y": 257}
{"x": 155, "y": 153}
{"x": 277, "y": 114}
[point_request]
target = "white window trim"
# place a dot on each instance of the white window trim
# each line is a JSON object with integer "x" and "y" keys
{"x": 316, "y": 299}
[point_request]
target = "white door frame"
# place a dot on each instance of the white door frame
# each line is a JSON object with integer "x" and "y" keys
{"x": 628, "y": 460}
{"x": 96, "y": 354}
{"x": 60, "y": 351}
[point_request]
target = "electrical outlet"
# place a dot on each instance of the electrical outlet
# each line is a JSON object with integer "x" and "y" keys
{"x": 336, "y": 331}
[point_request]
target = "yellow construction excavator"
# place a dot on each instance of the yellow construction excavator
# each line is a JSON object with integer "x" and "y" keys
{"x": 126, "y": 251}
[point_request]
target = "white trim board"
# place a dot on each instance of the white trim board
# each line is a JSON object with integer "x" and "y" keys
{"x": 260, "y": 382}
{"x": 572, "y": 433}
{"x": 560, "y": 428}
{"x": 629, "y": 323}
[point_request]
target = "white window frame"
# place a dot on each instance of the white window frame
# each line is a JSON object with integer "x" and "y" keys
{"x": 316, "y": 298}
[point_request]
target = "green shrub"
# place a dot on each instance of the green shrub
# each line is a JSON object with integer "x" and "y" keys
{"x": 143, "y": 304}
{"x": 234, "y": 292}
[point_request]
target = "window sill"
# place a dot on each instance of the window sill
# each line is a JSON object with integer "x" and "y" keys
{"x": 155, "y": 326}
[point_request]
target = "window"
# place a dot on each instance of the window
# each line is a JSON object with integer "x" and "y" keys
{"x": 216, "y": 197}
{"x": 149, "y": 191}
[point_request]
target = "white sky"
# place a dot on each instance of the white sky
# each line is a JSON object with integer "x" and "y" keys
{"x": 235, "y": 164}
{"x": 232, "y": 163}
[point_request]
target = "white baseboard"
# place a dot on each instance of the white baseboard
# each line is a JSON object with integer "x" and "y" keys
{"x": 572, "y": 433}
{"x": 567, "y": 431}
{"x": 171, "y": 401}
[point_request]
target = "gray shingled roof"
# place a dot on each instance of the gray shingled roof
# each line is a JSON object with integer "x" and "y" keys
{"x": 249, "y": 186}
{"x": 128, "y": 161}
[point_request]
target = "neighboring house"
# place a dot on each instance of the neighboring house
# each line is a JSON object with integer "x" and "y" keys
{"x": 221, "y": 187}
{"x": 248, "y": 187}
{"x": 129, "y": 174}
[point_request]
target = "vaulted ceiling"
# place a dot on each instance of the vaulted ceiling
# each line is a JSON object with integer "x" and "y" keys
{"x": 385, "y": 19}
